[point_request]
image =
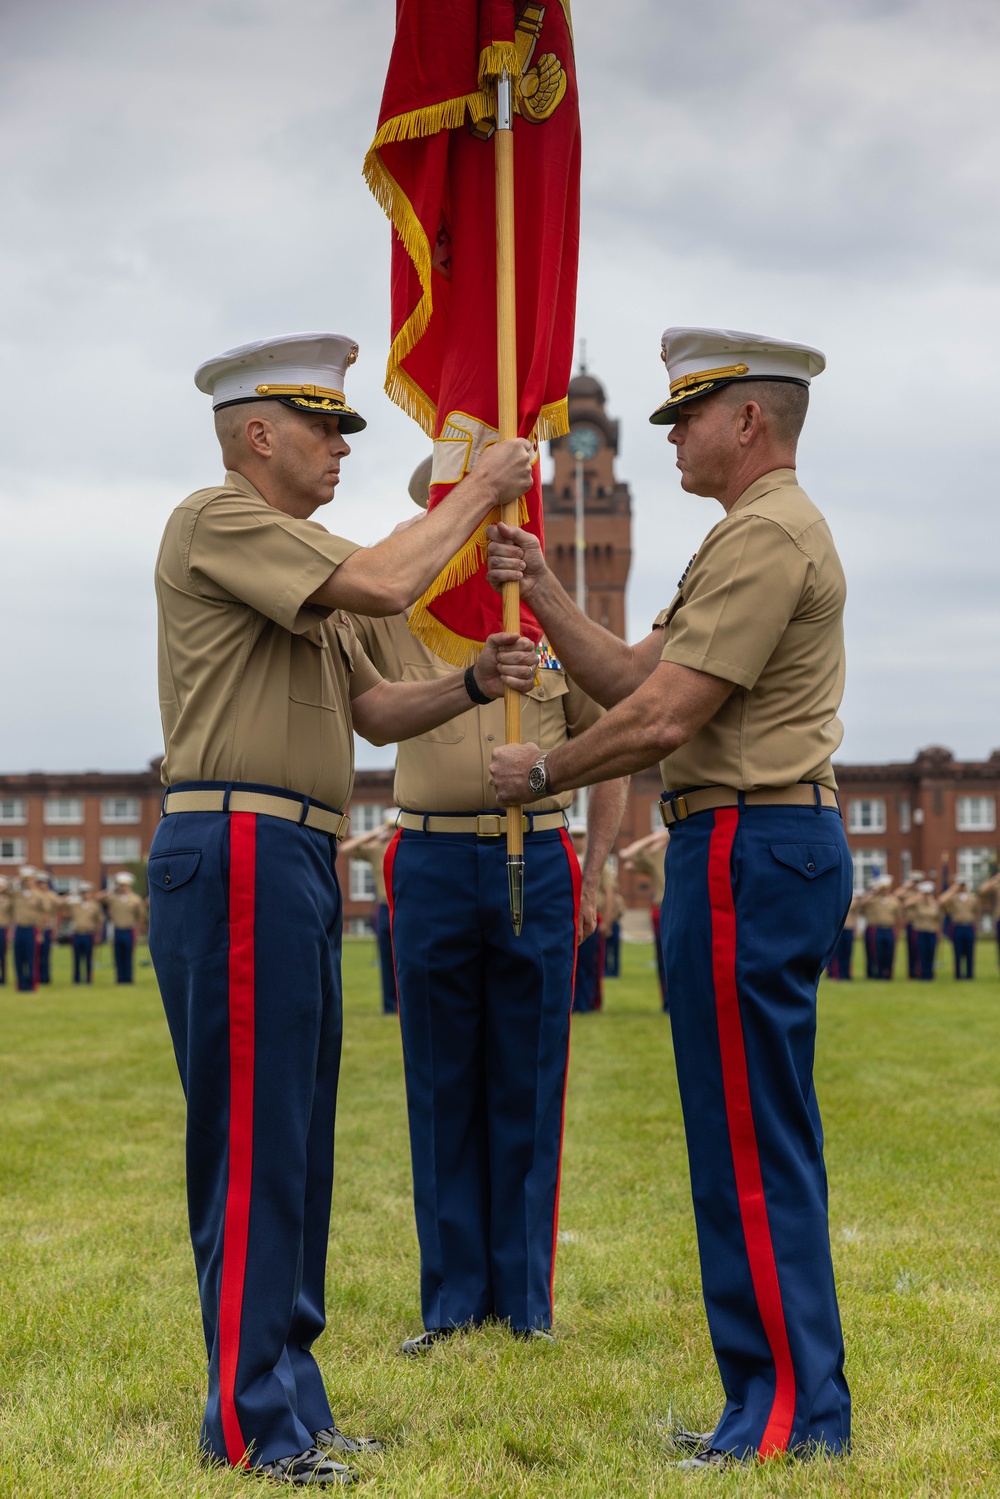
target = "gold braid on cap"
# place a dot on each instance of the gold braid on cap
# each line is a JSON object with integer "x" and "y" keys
{"x": 703, "y": 377}
{"x": 300, "y": 390}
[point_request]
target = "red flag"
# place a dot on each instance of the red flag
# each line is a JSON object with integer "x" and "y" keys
{"x": 431, "y": 166}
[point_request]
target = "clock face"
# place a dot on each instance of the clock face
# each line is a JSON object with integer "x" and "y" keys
{"x": 583, "y": 442}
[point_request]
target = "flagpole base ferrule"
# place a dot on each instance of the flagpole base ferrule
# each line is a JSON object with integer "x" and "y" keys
{"x": 515, "y": 886}
{"x": 504, "y": 109}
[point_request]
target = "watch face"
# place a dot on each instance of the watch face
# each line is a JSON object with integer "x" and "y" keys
{"x": 583, "y": 442}
{"x": 536, "y": 778}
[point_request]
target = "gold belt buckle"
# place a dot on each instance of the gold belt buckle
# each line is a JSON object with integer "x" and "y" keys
{"x": 493, "y": 817}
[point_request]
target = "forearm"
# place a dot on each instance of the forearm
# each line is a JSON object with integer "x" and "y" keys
{"x": 605, "y": 808}
{"x": 399, "y": 710}
{"x": 599, "y": 662}
{"x": 388, "y": 577}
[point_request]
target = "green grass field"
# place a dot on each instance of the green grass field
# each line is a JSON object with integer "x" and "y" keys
{"x": 101, "y": 1360}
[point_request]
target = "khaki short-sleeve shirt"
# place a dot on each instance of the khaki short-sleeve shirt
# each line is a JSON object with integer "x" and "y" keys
{"x": 882, "y": 910}
{"x": 124, "y": 910}
{"x": 962, "y": 907}
{"x": 26, "y": 908}
{"x": 447, "y": 769}
{"x": 373, "y": 854}
{"x": 762, "y": 606}
{"x": 86, "y": 917}
{"x": 255, "y": 685}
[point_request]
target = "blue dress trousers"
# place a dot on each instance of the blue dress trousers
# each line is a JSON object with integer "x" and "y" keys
{"x": 245, "y": 936}
{"x": 485, "y": 1021}
{"x": 755, "y": 900}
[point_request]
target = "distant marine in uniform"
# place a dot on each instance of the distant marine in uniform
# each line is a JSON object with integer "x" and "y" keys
{"x": 86, "y": 917}
{"x": 962, "y": 905}
{"x": 27, "y": 914}
{"x": 49, "y": 904}
{"x": 127, "y": 912}
{"x": 6, "y": 916}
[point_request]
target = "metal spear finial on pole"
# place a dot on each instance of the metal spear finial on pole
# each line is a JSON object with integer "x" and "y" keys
{"x": 507, "y": 392}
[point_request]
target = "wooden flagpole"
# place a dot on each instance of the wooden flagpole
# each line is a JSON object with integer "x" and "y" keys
{"x": 507, "y": 391}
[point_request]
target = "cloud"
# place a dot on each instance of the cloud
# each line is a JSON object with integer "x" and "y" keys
{"x": 179, "y": 179}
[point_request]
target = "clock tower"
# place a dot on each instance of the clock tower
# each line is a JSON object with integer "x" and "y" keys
{"x": 584, "y": 486}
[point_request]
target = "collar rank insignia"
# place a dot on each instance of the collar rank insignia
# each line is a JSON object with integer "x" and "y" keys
{"x": 683, "y": 577}
{"x": 546, "y": 659}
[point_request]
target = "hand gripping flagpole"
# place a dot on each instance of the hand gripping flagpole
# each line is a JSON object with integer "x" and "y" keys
{"x": 507, "y": 392}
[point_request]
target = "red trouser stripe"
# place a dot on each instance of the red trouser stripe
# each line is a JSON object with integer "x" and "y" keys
{"x": 242, "y": 870}
{"x": 742, "y": 1135}
{"x": 387, "y": 867}
{"x": 576, "y": 880}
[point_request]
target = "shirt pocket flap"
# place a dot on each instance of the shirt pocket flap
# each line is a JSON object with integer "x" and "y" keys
{"x": 551, "y": 684}
{"x": 169, "y": 871}
{"x": 807, "y": 859}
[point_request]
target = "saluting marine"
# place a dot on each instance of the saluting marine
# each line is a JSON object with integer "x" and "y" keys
{"x": 126, "y": 911}
{"x": 924, "y": 911}
{"x": 962, "y": 905}
{"x": 262, "y": 680}
{"x": 48, "y": 905}
{"x": 27, "y": 914}
{"x": 883, "y": 914}
{"x": 86, "y": 916}
{"x": 736, "y": 691}
{"x": 6, "y": 917}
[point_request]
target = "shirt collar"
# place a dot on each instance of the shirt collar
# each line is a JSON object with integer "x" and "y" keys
{"x": 778, "y": 478}
{"x": 235, "y": 480}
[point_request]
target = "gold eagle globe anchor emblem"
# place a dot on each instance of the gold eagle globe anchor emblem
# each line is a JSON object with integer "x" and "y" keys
{"x": 540, "y": 86}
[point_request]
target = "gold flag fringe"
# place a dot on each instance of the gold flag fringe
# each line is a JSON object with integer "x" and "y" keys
{"x": 494, "y": 59}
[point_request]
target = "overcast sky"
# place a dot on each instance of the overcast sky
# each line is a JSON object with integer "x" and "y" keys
{"x": 177, "y": 179}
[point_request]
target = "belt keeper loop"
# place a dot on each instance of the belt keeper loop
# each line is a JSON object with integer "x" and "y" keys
{"x": 529, "y": 818}
{"x": 226, "y": 795}
{"x": 163, "y": 801}
{"x": 741, "y": 801}
{"x": 305, "y": 810}
{"x": 427, "y": 818}
{"x": 819, "y": 799}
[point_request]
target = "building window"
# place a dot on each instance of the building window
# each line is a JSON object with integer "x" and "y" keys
{"x": 869, "y": 863}
{"x": 120, "y": 850}
{"x": 366, "y": 817}
{"x": 13, "y": 850}
{"x": 866, "y": 815}
{"x": 63, "y": 809}
{"x": 904, "y": 815}
{"x": 120, "y": 809}
{"x": 64, "y": 850}
{"x": 975, "y": 814}
{"x": 358, "y": 926}
{"x": 906, "y": 864}
{"x": 973, "y": 865}
{"x": 362, "y": 880}
{"x": 13, "y": 809}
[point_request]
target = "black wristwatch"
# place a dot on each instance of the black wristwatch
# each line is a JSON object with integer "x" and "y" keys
{"x": 473, "y": 688}
{"x": 538, "y": 777}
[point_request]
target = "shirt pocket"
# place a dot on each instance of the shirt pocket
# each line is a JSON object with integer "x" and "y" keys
{"x": 543, "y": 711}
{"x": 312, "y": 678}
{"x": 810, "y": 860}
{"x": 452, "y": 732}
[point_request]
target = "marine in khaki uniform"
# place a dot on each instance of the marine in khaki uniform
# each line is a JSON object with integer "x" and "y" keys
{"x": 49, "y": 904}
{"x": 370, "y": 849}
{"x": 989, "y": 900}
{"x": 484, "y": 1013}
{"x": 86, "y": 919}
{"x": 925, "y": 913}
{"x": 883, "y": 914}
{"x": 962, "y": 905}
{"x": 127, "y": 912}
{"x": 27, "y": 914}
{"x": 839, "y": 966}
{"x": 6, "y": 918}
{"x": 262, "y": 681}
{"x": 647, "y": 857}
{"x": 610, "y": 910}
{"x": 736, "y": 693}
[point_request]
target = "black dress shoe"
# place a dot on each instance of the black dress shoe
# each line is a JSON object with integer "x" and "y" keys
{"x": 311, "y": 1466}
{"x": 710, "y": 1458}
{"x": 535, "y": 1334}
{"x": 333, "y": 1440}
{"x": 425, "y": 1340}
{"x": 692, "y": 1441}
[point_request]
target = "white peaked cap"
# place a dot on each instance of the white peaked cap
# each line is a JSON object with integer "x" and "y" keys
{"x": 125, "y": 877}
{"x": 926, "y": 886}
{"x": 303, "y": 370}
{"x": 420, "y": 482}
{"x": 27, "y": 872}
{"x": 701, "y": 360}
{"x": 884, "y": 881}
